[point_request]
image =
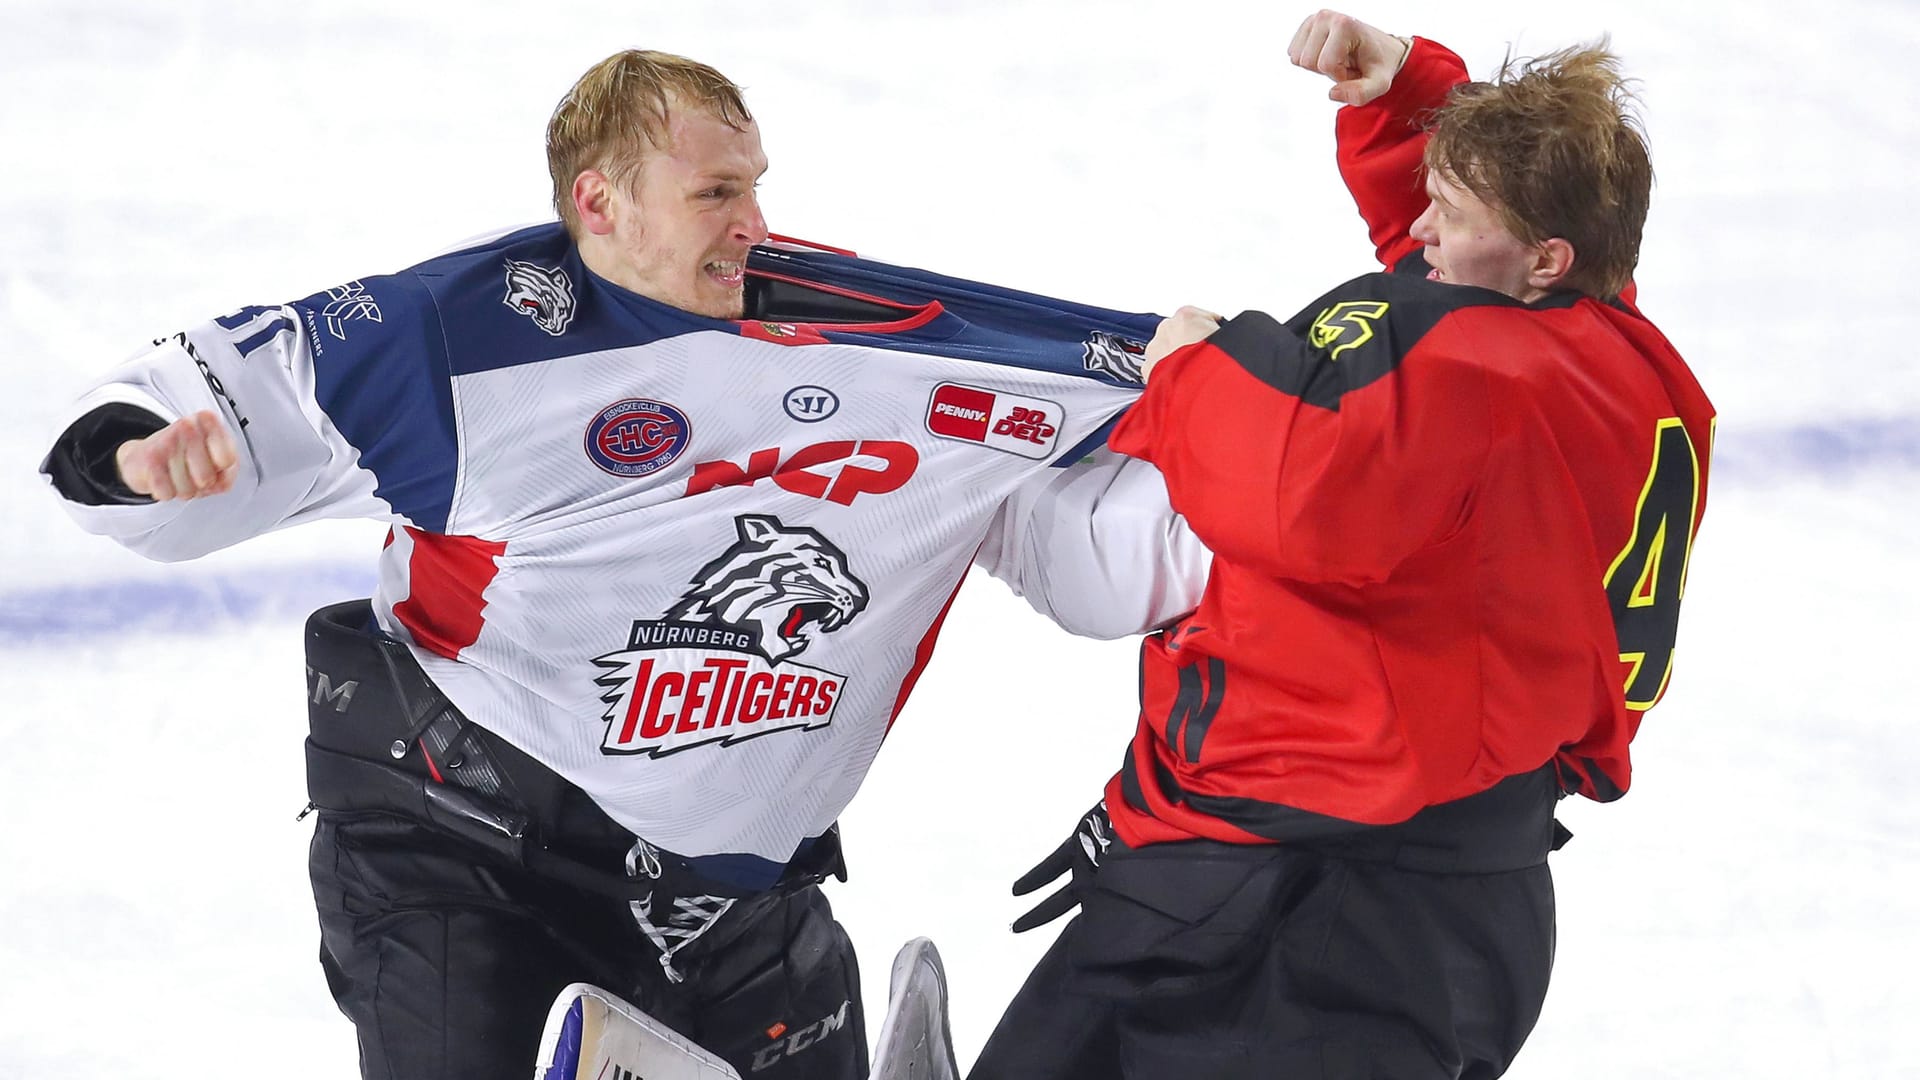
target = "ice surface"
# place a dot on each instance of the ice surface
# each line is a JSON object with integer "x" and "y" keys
{"x": 1742, "y": 913}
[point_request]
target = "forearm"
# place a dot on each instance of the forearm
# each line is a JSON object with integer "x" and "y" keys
{"x": 1380, "y": 145}
{"x": 283, "y": 456}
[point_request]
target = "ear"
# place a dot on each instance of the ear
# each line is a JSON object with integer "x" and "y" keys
{"x": 1552, "y": 262}
{"x": 594, "y": 201}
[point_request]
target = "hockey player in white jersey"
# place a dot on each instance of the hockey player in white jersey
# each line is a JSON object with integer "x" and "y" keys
{"x": 675, "y": 519}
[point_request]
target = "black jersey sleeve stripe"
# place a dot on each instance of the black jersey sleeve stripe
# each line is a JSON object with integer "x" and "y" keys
{"x": 1349, "y": 338}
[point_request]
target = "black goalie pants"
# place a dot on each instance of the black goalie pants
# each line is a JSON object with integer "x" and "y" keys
{"x": 1394, "y": 959}
{"x": 453, "y": 911}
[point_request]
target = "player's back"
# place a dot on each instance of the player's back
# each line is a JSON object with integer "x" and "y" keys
{"x": 1448, "y": 527}
{"x": 1619, "y": 435}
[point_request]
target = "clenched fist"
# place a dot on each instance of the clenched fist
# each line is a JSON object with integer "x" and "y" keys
{"x": 191, "y": 457}
{"x": 1360, "y": 59}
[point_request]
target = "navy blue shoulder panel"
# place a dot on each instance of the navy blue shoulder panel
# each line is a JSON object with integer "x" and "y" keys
{"x": 980, "y": 321}
{"x": 527, "y": 297}
{"x": 380, "y": 375}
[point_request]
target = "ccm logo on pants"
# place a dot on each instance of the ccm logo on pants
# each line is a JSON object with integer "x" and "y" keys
{"x": 803, "y": 1038}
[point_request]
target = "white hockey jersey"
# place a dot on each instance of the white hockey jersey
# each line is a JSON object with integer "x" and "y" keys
{"x": 692, "y": 565}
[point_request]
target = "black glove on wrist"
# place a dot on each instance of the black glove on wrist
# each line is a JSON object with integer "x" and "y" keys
{"x": 1080, "y": 855}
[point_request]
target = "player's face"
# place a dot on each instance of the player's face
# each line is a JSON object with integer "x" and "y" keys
{"x": 1468, "y": 244}
{"x": 696, "y": 216}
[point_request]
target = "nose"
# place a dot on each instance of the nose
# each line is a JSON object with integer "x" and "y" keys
{"x": 751, "y": 225}
{"x": 1422, "y": 227}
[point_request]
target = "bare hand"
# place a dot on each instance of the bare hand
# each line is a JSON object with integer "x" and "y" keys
{"x": 1360, "y": 59}
{"x": 191, "y": 457}
{"x": 1182, "y": 328}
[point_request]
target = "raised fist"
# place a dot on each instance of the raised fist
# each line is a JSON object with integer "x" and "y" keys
{"x": 191, "y": 457}
{"x": 1360, "y": 59}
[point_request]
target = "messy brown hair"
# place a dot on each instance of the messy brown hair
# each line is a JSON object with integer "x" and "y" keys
{"x": 618, "y": 111}
{"x": 1553, "y": 146}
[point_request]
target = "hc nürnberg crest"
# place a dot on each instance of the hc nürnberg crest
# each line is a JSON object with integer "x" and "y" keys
{"x": 718, "y": 666}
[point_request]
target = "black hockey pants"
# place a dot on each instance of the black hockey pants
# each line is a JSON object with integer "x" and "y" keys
{"x": 1419, "y": 951}
{"x": 461, "y": 885}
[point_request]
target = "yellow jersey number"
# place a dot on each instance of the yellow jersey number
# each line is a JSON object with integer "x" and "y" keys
{"x": 1649, "y": 576}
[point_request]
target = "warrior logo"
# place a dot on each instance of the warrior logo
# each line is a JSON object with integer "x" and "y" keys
{"x": 718, "y": 667}
{"x": 1114, "y": 356}
{"x": 543, "y": 295}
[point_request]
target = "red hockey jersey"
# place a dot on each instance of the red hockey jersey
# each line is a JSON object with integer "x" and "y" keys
{"x": 1451, "y": 534}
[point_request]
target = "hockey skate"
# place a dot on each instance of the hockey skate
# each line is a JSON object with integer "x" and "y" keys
{"x": 916, "y": 1040}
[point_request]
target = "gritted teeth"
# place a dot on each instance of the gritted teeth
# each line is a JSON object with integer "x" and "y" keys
{"x": 727, "y": 269}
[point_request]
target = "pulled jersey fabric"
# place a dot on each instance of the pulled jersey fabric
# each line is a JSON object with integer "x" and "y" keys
{"x": 691, "y": 565}
{"x": 1450, "y": 529}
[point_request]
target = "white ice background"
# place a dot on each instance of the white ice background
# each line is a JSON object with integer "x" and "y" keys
{"x": 1749, "y": 910}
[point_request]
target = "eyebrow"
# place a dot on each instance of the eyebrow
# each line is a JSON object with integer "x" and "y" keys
{"x": 729, "y": 177}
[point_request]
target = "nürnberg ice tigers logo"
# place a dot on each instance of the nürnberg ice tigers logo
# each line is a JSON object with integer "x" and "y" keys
{"x": 543, "y": 295}
{"x": 1113, "y": 355}
{"x": 787, "y": 584}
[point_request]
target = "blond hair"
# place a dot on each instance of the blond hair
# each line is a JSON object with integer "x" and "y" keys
{"x": 1553, "y": 146}
{"x": 618, "y": 111}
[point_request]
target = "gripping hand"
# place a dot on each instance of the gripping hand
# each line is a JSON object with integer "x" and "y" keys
{"x": 1079, "y": 856}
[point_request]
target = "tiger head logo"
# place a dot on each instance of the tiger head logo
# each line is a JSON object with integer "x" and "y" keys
{"x": 789, "y": 585}
{"x": 543, "y": 295}
{"x": 1114, "y": 356}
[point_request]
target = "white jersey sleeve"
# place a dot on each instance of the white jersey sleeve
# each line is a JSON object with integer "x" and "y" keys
{"x": 1097, "y": 548}
{"x": 255, "y": 370}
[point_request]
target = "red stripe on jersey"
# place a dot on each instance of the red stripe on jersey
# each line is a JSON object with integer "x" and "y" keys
{"x": 775, "y": 239}
{"x": 923, "y": 654}
{"x": 431, "y": 767}
{"x": 449, "y": 575}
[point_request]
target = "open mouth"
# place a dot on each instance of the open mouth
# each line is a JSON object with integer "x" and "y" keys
{"x": 727, "y": 272}
{"x": 802, "y": 614}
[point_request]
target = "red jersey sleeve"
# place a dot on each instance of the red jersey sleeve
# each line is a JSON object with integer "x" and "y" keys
{"x": 1328, "y": 449}
{"x": 1380, "y": 146}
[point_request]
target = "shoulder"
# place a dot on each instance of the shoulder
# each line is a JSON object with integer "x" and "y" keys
{"x": 420, "y": 293}
{"x": 538, "y": 264}
{"x": 1358, "y": 333}
{"x": 525, "y": 296}
{"x": 549, "y": 241}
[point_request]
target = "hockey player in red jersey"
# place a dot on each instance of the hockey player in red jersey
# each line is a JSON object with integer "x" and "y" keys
{"x": 1451, "y": 507}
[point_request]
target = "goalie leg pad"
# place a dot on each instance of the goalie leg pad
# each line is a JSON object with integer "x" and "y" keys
{"x": 783, "y": 1001}
{"x": 446, "y": 964}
